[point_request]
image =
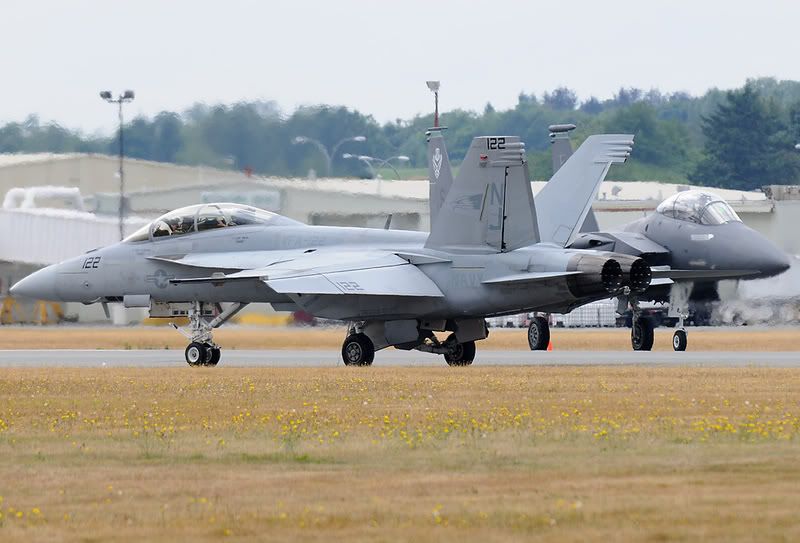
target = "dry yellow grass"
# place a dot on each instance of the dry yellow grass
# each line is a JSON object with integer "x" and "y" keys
{"x": 410, "y": 454}
{"x": 147, "y": 337}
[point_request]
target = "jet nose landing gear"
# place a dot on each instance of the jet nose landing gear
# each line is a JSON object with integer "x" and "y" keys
{"x": 202, "y": 354}
{"x": 202, "y": 351}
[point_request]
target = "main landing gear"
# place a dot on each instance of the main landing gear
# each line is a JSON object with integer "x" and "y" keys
{"x": 538, "y": 334}
{"x": 202, "y": 351}
{"x": 359, "y": 348}
{"x": 642, "y": 333}
{"x": 458, "y": 354}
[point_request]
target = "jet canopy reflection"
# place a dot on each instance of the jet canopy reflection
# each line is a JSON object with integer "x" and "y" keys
{"x": 699, "y": 207}
{"x": 202, "y": 217}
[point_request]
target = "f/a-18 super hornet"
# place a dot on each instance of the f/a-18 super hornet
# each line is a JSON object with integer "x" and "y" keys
{"x": 694, "y": 233}
{"x": 484, "y": 256}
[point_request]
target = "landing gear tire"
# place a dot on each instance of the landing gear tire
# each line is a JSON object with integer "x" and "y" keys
{"x": 196, "y": 354}
{"x": 679, "y": 340}
{"x": 213, "y": 356}
{"x": 358, "y": 350}
{"x": 461, "y": 354}
{"x": 642, "y": 334}
{"x": 538, "y": 334}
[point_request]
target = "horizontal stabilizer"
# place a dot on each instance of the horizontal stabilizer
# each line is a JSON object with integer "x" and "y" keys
{"x": 530, "y": 277}
{"x": 661, "y": 282}
{"x": 701, "y": 275}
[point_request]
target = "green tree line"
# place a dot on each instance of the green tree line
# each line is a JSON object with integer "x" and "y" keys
{"x": 742, "y": 138}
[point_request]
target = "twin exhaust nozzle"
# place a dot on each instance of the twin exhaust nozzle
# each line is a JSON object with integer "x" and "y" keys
{"x": 608, "y": 275}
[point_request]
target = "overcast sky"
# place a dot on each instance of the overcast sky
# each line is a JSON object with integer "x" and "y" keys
{"x": 55, "y": 55}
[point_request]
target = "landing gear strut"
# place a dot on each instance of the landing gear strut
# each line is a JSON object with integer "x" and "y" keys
{"x": 202, "y": 351}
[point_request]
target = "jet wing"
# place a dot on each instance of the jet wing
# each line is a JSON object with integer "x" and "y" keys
{"x": 355, "y": 272}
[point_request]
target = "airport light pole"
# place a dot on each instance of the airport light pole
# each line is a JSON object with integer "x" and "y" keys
{"x": 126, "y": 96}
{"x": 433, "y": 86}
{"x": 324, "y": 150}
{"x": 366, "y": 160}
{"x": 375, "y": 164}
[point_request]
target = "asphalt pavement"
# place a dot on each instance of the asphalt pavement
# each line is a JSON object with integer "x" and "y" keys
{"x": 392, "y": 357}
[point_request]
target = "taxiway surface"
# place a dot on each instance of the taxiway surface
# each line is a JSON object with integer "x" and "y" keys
{"x": 391, "y": 357}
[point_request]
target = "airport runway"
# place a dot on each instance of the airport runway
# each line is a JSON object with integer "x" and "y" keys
{"x": 392, "y": 357}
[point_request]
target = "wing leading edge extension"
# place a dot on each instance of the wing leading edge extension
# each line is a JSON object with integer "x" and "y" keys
{"x": 375, "y": 273}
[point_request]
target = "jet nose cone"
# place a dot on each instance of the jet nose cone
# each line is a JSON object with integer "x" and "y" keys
{"x": 775, "y": 262}
{"x": 40, "y": 285}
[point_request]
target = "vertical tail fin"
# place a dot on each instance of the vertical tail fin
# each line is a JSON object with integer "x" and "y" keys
{"x": 561, "y": 150}
{"x": 440, "y": 176}
{"x": 566, "y": 200}
{"x": 560, "y": 145}
{"x": 490, "y": 205}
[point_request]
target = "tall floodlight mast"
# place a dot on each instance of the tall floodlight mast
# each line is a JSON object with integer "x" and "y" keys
{"x": 434, "y": 88}
{"x": 123, "y": 98}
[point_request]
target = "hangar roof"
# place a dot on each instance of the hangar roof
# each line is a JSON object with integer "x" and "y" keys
{"x": 15, "y": 159}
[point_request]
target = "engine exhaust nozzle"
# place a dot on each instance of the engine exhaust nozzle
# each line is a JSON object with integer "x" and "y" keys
{"x": 636, "y": 274}
{"x": 599, "y": 275}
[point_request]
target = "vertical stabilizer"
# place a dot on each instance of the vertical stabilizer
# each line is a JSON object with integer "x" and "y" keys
{"x": 561, "y": 150}
{"x": 489, "y": 206}
{"x": 566, "y": 200}
{"x": 440, "y": 176}
{"x": 560, "y": 144}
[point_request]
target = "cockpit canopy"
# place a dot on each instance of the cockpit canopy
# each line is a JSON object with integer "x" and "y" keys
{"x": 699, "y": 207}
{"x": 198, "y": 218}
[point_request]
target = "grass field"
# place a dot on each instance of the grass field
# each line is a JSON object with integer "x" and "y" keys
{"x": 406, "y": 454}
{"x": 150, "y": 337}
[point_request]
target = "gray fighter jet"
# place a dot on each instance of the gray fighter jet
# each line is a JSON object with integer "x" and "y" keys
{"x": 484, "y": 256}
{"x": 694, "y": 231}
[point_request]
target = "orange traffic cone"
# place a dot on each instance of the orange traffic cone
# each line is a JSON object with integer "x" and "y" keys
{"x": 550, "y": 345}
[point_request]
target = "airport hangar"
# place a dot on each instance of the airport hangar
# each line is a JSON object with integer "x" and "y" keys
{"x": 75, "y": 207}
